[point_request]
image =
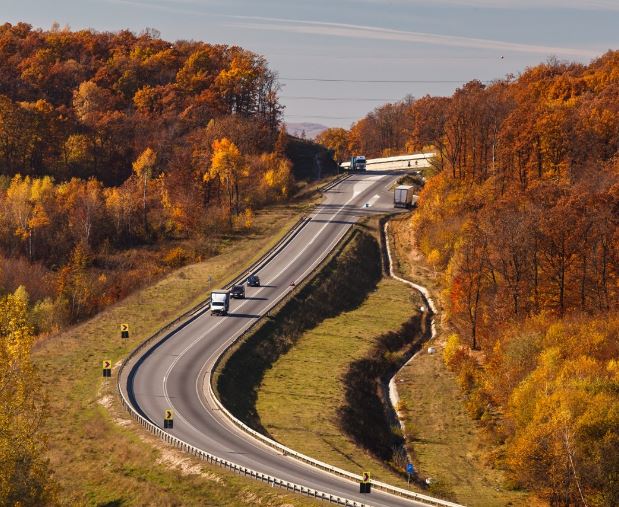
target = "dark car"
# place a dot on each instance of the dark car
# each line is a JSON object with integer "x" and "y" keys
{"x": 238, "y": 292}
{"x": 253, "y": 281}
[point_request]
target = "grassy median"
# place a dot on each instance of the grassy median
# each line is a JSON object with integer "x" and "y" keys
{"x": 445, "y": 442}
{"x": 99, "y": 455}
{"x": 301, "y": 395}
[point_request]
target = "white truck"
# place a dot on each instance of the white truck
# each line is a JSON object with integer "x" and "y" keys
{"x": 358, "y": 163}
{"x": 220, "y": 302}
{"x": 403, "y": 197}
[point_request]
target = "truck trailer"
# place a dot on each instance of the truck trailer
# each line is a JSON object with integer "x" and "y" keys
{"x": 220, "y": 302}
{"x": 403, "y": 196}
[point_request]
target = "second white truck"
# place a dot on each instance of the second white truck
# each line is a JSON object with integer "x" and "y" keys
{"x": 220, "y": 302}
{"x": 403, "y": 197}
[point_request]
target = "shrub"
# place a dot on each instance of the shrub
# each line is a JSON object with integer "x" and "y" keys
{"x": 176, "y": 257}
{"x": 49, "y": 315}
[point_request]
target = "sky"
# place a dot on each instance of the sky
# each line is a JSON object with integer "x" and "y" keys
{"x": 339, "y": 59}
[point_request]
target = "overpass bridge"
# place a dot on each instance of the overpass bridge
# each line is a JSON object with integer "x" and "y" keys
{"x": 412, "y": 161}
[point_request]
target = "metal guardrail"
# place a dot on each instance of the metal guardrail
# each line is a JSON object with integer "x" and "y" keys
{"x": 290, "y": 486}
{"x": 333, "y": 183}
{"x": 248, "y": 472}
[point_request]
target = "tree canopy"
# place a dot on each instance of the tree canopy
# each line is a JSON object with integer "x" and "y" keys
{"x": 520, "y": 213}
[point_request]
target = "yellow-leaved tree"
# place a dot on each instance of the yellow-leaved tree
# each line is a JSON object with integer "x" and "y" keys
{"x": 227, "y": 168}
{"x": 143, "y": 168}
{"x": 276, "y": 179}
{"x": 25, "y": 202}
{"x": 25, "y": 477}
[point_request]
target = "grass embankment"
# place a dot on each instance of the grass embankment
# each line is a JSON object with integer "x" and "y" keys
{"x": 99, "y": 455}
{"x": 445, "y": 442}
{"x": 301, "y": 397}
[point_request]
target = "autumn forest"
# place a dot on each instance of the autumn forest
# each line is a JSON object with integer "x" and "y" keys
{"x": 122, "y": 156}
{"x": 112, "y": 141}
{"x": 520, "y": 218}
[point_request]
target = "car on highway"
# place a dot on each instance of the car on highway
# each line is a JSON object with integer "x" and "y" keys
{"x": 237, "y": 292}
{"x": 253, "y": 281}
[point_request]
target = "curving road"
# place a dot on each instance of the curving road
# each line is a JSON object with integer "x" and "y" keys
{"x": 172, "y": 374}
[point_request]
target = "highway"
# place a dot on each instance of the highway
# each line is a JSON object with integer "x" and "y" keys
{"x": 174, "y": 373}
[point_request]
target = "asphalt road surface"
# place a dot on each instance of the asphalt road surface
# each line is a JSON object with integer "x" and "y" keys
{"x": 173, "y": 373}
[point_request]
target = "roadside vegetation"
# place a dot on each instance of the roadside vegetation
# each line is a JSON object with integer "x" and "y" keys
{"x": 447, "y": 446}
{"x": 520, "y": 224}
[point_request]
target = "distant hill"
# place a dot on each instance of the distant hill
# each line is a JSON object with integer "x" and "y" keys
{"x": 311, "y": 129}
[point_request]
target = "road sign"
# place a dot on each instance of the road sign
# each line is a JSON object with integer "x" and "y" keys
{"x": 124, "y": 330}
{"x": 410, "y": 469}
{"x": 365, "y": 485}
{"x": 107, "y": 368}
{"x": 168, "y": 419}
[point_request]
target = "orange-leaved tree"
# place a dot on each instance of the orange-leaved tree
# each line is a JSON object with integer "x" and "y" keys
{"x": 227, "y": 168}
{"x": 337, "y": 140}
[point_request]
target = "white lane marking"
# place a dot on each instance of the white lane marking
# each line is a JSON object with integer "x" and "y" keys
{"x": 178, "y": 358}
{"x": 361, "y": 183}
{"x": 325, "y": 225}
{"x": 372, "y": 201}
{"x": 225, "y": 423}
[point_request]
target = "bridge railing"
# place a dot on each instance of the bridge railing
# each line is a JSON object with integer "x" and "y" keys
{"x": 419, "y": 160}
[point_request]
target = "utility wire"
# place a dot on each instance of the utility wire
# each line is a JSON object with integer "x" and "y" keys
{"x": 384, "y": 57}
{"x": 322, "y": 117}
{"x": 409, "y": 81}
{"x": 338, "y": 99}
